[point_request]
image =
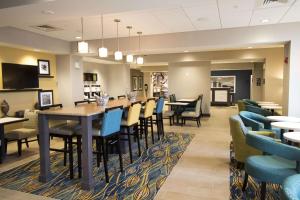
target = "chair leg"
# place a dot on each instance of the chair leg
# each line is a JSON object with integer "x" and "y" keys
{"x": 170, "y": 121}
{"x": 136, "y": 132}
{"x": 146, "y": 132}
{"x": 5, "y": 146}
{"x": 104, "y": 160}
{"x": 151, "y": 123}
{"x": 27, "y": 143}
{"x": 120, "y": 153}
{"x": 245, "y": 182}
{"x": 79, "y": 156}
{"x": 19, "y": 147}
{"x": 98, "y": 149}
{"x": 65, "y": 151}
{"x": 129, "y": 144}
{"x": 70, "y": 151}
{"x": 197, "y": 123}
{"x": 158, "y": 126}
{"x": 162, "y": 125}
{"x": 263, "y": 191}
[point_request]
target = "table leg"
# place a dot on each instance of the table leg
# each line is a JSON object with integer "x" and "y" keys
{"x": 87, "y": 154}
{"x": 2, "y": 154}
{"x": 45, "y": 172}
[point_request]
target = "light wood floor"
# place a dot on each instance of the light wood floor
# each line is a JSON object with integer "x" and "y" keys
{"x": 201, "y": 173}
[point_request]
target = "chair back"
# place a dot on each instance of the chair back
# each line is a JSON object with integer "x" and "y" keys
{"x": 238, "y": 133}
{"x": 241, "y": 105}
{"x": 251, "y": 102}
{"x": 258, "y": 110}
{"x": 32, "y": 116}
{"x": 134, "y": 113}
{"x": 149, "y": 108}
{"x": 111, "y": 98}
{"x": 198, "y": 108}
{"x": 172, "y": 98}
{"x": 111, "y": 121}
{"x": 255, "y": 121}
{"x": 160, "y": 105}
{"x": 122, "y": 97}
{"x": 270, "y": 146}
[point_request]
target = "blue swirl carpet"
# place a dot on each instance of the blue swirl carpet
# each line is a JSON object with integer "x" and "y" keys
{"x": 253, "y": 187}
{"x": 140, "y": 180}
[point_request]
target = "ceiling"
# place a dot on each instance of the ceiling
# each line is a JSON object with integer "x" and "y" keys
{"x": 150, "y": 17}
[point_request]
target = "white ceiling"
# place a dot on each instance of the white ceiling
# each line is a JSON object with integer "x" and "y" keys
{"x": 148, "y": 16}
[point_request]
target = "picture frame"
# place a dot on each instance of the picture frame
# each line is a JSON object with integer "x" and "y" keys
{"x": 44, "y": 67}
{"x": 45, "y": 98}
{"x": 134, "y": 83}
{"x": 140, "y": 83}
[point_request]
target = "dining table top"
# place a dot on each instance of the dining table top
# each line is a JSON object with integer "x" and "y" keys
{"x": 187, "y": 100}
{"x": 287, "y": 125}
{"x": 177, "y": 104}
{"x": 292, "y": 136}
{"x": 272, "y": 107}
{"x": 283, "y": 119}
{"x": 10, "y": 120}
{"x": 91, "y": 108}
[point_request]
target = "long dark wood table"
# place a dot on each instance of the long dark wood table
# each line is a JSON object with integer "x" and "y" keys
{"x": 84, "y": 113}
{"x": 5, "y": 121}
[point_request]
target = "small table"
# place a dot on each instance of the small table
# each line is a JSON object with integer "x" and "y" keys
{"x": 292, "y": 136}
{"x": 286, "y": 126}
{"x": 5, "y": 121}
{"x": 284, "y": 119}
{"x": 177, "y": 104}
{"x": 272, "y": 108}
{"x": 187, "y": 100}
{"x": 266, "y": 102}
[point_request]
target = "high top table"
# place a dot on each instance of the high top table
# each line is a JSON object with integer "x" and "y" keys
{"x": 5, "y": 121}
{"x": 286, "y": 126}
{"x": 85, "y": 113}
{"x": 292, "y": 136}
{"x": 272, "y": 108}
{"x": 186, "y": 100}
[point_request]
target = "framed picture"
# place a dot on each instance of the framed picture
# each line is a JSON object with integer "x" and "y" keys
{"x": 45, "y": 98}
{"x": 44, "y": 67}
{"x": 140, "y": 83}
{"x": 134, "y": 83}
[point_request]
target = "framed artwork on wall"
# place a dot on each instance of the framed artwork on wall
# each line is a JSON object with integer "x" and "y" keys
{"x": 45, "y": 98}
{"x": 140, "y": 83}
{"x": 44, "y": 67}
{"x": 134, "y": 83}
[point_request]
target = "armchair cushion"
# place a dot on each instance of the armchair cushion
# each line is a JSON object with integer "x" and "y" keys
{"x": 291, "y": 188}
{"x": 20, "y": 133}
{"x": 189, "y": 114}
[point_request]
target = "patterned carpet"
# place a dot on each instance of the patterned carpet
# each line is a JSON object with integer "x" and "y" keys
{"x": 140, "y": 180}
{"x": 253, "y": 188}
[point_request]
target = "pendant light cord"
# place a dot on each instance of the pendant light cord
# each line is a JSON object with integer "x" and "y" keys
{"x": 102, "y": 42}
{"x": 82, "y": 28}
{"x": 118, "y": 35}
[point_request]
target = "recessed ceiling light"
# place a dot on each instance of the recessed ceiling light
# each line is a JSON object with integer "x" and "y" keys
{"x": 78, "y": 37}
{"x": 37, "y": 50}
{"x": 250, "y": 47}
{"x": 48, "y": 12}
{"x": 186, "y": 51}
{"x": 265, "y": 21}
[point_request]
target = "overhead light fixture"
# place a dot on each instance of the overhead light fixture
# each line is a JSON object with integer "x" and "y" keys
{"x": 140, "y": 59}
{"x": 129, "y": 57}
{"x": 78, "y": 37}
{"x": 186, "y": 51}
{"x": 265, "y": 21}
{"x": 118, "y": 53}
{"x": 102, "y": 50}
{"x": 250, "y": 47}
{"x": 83, "y": 47}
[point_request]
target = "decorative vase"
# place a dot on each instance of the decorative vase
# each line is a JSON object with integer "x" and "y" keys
{"x": 4, "y": 108}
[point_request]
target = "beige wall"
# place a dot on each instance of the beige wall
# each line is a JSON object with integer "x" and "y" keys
{"x": 102, "y": 72}
{"x": 189, "y": 80}
{"x": 23, "y": 100}
{"x": 118, "y": 80}
{"x": 257, "y": 73}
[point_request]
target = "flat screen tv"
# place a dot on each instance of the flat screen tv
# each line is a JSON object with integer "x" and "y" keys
{"x": 17, "y": 76}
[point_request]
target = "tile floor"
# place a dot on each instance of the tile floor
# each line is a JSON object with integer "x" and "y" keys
{"x": 201, "y": 173}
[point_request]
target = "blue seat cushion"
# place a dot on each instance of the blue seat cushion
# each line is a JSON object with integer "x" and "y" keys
{"x": 272, "y": 169}
{"x": 291, "y": 187}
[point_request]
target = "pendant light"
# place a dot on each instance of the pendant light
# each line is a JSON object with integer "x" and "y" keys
{"x": 118, "y": 53}
{"x": 140, "y": 59}
{"x": 129, "y": 57}
{"x": 83, "y": 47}
{"x": 102, "y": 50}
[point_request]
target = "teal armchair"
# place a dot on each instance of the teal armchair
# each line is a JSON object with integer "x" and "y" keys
{"x": 258, "y": 122}
{"x": 291, "y": 188}
{"x": 258, "y": 110}
{"x": 278, "y": 162}
{"x": 251, "y": 102}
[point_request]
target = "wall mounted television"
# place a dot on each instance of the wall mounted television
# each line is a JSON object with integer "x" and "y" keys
{"x": 16, "y": 76}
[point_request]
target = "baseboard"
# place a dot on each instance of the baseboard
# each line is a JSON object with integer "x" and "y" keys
{"x": 206, "y": 114}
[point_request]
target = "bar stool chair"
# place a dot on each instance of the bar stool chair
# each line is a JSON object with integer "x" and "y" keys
{"x": 121, "y": 97}
{"x": 66, "y": 130}
{"x": 158, "y": 112}
{"x": 108, "y": 133}
{"x": 76, "y": 103}
{"x": 145, "y": 117}
{"x": 130, "y": 126}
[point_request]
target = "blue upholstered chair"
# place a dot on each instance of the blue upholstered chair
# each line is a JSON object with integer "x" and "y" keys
{"x": 251, "y": 102}
{"x": 258, "y": 122}
{"x": 278, "y": 162}
{"x": 109, "y": 133}
{"x": 158, "y": 112}
{"x": 258, "y": 110}
{"x": 291, "y": 188}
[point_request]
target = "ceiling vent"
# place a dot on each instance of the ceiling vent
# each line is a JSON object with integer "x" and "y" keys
{"x": 47, "y": 28}
{"x": 267, "y": 2}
